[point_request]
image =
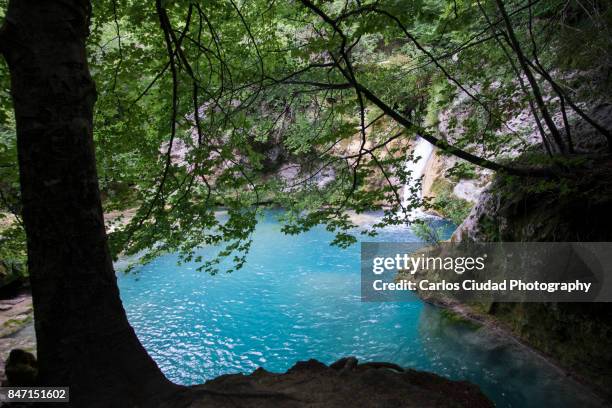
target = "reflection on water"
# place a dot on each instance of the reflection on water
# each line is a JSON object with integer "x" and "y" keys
{"x": 299, "y": 298}
{"x": 500, "y": 365}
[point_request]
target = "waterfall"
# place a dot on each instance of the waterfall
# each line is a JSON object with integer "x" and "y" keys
{"x": 421, "y": 153}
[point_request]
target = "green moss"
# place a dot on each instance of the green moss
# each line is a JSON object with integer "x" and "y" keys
{"x": 448, "y": 204}
{"x": 11, "y": 323}
{"x": 451, "y": 316}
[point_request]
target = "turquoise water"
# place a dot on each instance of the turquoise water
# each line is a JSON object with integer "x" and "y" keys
{"x": 299, "y": 298}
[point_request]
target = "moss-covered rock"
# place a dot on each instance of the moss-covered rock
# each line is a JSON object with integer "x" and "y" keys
{"x": 576, "y": 208}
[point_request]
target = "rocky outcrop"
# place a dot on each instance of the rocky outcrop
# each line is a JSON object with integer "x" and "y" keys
{"x": 468, "y": 190}
{"x": 306, "y": 384}
{"x": 578, "y": 336}
{"x": 574, "y": 208}
{"x": 344, "y": 383}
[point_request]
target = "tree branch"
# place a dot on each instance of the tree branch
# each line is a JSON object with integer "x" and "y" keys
{"x": 443, "y": 145}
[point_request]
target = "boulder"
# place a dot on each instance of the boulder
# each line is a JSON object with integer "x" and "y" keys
{"x": 21, "y": 369}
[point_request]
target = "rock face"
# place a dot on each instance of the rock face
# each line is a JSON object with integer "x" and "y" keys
{"x": 572, "y": 209}
{"x": 345, "y": 383}
{"x": 578, "y": 336}
{"x": 468, "y": 190}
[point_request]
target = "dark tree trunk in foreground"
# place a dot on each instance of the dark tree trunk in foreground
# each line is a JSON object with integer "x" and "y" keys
{"x": 84, "y": 339}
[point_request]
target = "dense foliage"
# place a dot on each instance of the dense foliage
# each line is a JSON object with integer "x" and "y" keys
{"x": 208, "y": 111}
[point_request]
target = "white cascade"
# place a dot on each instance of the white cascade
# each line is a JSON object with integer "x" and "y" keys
{"x": 421, "y": 151}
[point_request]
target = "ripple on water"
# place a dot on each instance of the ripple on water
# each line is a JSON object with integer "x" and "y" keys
{"x": 299, "y": 298}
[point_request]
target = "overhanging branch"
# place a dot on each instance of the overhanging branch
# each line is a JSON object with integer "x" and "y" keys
{"x": 441, "y": 144}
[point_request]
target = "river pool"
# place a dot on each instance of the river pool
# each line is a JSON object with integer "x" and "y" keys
{"x": 298, "y": 298}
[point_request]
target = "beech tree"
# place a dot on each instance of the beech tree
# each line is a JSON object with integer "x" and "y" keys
{"x": 83, "y": 337}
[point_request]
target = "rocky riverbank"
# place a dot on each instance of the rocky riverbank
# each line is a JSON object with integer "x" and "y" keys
{"x": 577, "y": 337}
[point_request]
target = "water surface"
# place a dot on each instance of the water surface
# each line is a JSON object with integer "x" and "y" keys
{"x": 299, "y": 298}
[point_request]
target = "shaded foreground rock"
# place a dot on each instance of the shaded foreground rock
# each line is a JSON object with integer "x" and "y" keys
{"x": 344, "y": 383}
{"x": 21, "y": 369}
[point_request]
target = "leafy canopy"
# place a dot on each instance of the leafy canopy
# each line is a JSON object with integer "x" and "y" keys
{"x": 209, "y": 111}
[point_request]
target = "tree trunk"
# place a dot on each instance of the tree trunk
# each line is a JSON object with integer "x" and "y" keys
{"x": 83, "y": 336}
